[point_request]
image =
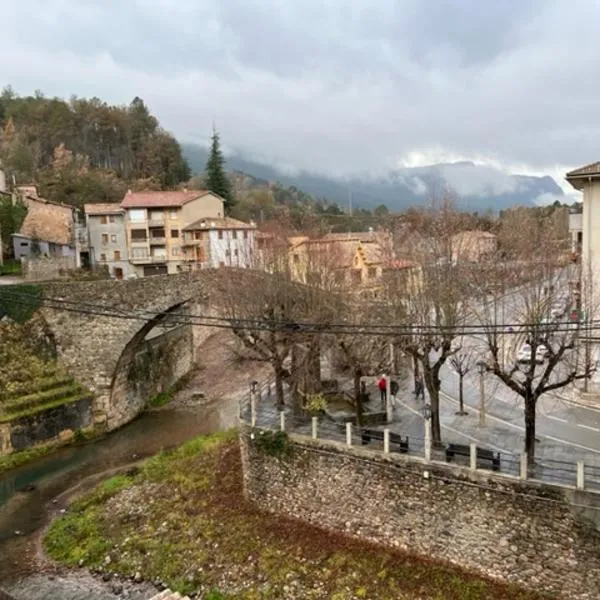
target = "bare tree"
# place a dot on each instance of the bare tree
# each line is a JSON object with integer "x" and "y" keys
{"x": 462, "y": 362}
{"x": 430, "y": 296}
{"x": 538, "y": 350}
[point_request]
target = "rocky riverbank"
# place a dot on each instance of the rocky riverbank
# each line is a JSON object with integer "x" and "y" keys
{"x": 181, "y": 520}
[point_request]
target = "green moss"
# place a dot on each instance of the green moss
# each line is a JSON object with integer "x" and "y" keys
{"x": 10, "y": 267}
{"x": 165, "y": 397}
{"x": 26, "y": 412}
{"x": 17, "y": 459}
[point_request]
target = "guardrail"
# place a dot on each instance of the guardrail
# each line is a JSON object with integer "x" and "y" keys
{"x": 258, "y": 410}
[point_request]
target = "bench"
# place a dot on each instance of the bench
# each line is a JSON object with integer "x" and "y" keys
{"x": 397, "y": 444}
{"x": 483, "y": 454}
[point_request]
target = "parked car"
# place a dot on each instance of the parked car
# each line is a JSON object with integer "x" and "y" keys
{"x": 524, "y": 354}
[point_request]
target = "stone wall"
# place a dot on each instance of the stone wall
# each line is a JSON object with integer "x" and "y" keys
{"x": 147, "y": 369}
{"x": 45, "y": 269}
{"x": 532, "y": 535}
{"x": 53, "y": 424}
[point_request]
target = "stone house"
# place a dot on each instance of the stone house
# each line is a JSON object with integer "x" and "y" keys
{"x": 48, "y": 230}
{"x": 219, "y": 242}
{"x": 107, "y": 238}
{"x": 473, "y": 246}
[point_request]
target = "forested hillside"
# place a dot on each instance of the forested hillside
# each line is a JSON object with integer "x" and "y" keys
{"x": 85, "y": 150}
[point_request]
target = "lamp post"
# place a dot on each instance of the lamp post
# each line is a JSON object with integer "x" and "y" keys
{"x": 253, "y": 385}
{"x": 481, "y": 369}
{"x": 426, "y": 411}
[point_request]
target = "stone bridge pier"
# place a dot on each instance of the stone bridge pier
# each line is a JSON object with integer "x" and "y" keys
{"x": 113, "y": 355}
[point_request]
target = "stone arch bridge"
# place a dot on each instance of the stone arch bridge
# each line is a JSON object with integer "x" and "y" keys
{"x": 116, "y": 357}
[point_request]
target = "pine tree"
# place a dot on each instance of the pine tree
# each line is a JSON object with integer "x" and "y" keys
{"x": 215, "y": 176}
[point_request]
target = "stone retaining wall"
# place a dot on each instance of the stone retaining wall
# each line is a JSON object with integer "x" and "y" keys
{"x": 54, "y": 424}
{"x": 530, "y": 534}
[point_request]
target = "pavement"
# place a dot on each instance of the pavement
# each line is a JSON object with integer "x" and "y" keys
{"x": 10, "y": 280}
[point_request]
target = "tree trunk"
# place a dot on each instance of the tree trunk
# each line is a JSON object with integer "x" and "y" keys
{"x": 415, "y": 372}
{"x": 279, "y": 376}
{"x": 432, "y": 383}
{"x": 461, "y": 405}
{"x": 530, "y": 403}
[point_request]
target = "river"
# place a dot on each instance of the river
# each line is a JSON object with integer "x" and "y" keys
{"x": 52, "y": 477}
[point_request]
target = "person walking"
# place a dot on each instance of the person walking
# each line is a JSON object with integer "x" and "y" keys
{"x": 419, "y": 387}
{"x": 382, "y": 386}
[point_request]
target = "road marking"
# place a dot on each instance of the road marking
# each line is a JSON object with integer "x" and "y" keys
{"x": 576, "y": 404}
{"x": 548, "y": 437}
{"x": 416, "y": 412}
{"x": 588, "y": 427}
{"x": 554, "y": 418}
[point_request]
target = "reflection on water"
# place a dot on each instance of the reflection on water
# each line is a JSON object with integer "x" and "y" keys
{"x": 25, "y": 511}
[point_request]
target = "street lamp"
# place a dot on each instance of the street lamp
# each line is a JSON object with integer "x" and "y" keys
{"x": 481, "y": 369}
{"x": 427, "y": 413}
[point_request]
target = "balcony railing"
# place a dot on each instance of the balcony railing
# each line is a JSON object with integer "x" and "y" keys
{"x": 156, "y": 220}
{"x": 145, "y": 260}
{"x": 157, "y": 241}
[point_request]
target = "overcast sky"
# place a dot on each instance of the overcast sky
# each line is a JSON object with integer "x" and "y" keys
{"x": 333, "y": 86}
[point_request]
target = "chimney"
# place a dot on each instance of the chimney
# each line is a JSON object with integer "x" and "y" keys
{"x": 185, "y": 189}
{"x": 129, "y": 192}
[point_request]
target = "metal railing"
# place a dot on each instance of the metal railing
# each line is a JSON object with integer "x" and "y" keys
{"x": 258, "y": 409}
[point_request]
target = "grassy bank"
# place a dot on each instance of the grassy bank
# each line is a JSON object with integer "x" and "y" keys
{"x": 182, "y": 519}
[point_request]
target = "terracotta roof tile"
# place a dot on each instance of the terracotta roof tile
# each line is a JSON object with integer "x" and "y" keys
{"x": 591, "y": 169}
{"x": 225, "y": 223}
{"x": 161, "y": 199}
{"x": 111, "y": 208}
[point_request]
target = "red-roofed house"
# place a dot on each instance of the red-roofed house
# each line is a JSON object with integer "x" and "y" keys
{"x": 154, "y": 223}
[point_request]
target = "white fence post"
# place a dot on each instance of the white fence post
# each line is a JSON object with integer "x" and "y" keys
{"x": 580, "y": 475}
{"x": 315, "y": 422}
{"x": 473, "y": 456}
{"x": 427, "y": 440}
{"x": 282, "y": 421}
{"x": 253, "y": 408}
{"x": 523, "y": 471}
{"x": 388, "y": 399}
{"x": 349, "y": 433}
{"x": 386, "y": 441}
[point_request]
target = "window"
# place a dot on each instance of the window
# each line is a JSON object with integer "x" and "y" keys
{"x": 296, "y": 258}
{"x": 221, "y": 264}
{"x": 103, "y": 257}
{"x": 245, "y": 235}
{"x": 139, "y": 253}
{"x": 372, "y": 272}
{"x": 174, "y": 233}
{"x": 157, "y": 232}
{"x": 173, "y": 214}
{"x": 117, "y": 255}
{"x": 105, "y": 238}
{"x": 137, "y": 215}
{"x": 111, "y": 219}
{"x": 234, "y": 234}
{"x": 138, "y": 235}
{"x": 220, "y": 234}
{"x": 113, "y": 238}
{"x": 176, "y": 251}
{"x": 103, "y": 220}
{"x": 197, "y": 235}
{"x": 235, "y": 252}
{"x": 227, "y": 252}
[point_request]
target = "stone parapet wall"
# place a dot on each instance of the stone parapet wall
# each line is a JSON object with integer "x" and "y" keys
{"x": 543, "y": 537}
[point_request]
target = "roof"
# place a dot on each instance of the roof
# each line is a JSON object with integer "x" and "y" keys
{"x": 401, "y": 264}
{"x": 111, "y": 208}
{"x": 48, "y": 221}
{"x": 372, "y": 252}
{"x": 591, "y": 169}
{"x": 225, "y": 223}
{"x": 161, "y": 199}
{"x": 473, "y": 235}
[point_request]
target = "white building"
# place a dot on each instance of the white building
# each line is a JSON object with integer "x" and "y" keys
{"x": 214, "y": 243}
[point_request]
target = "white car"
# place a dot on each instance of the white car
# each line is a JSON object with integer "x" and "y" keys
{"x": 524, "y": 354}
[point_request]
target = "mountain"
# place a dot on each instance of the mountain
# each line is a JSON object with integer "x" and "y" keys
{"x": 477, "y": 187}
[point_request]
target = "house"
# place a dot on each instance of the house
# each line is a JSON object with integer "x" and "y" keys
{"x": 154, "y": 222}
{"x": 473, "y": 246}
{"x": 219, "y": 242}
{"x": 576, "y": 229}
{"x": 107, "y": 238}
{"x": 48, "y": 230}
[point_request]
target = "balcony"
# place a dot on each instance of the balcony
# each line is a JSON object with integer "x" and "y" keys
{"x": 147, "y": 260}
{"x": 157, "y": 241}
{"x": 156, "y": 220}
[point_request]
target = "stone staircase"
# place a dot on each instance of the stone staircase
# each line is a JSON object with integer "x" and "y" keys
{"x": 169, "y": 595}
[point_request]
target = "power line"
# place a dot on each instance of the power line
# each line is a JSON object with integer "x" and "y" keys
{"x": 233, "y": 322}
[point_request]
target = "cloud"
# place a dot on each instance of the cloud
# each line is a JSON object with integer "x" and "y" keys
{"x": 340, "y": 87}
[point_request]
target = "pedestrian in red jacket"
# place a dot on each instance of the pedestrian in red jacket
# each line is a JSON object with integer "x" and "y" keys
{"x": 382, "y": 385}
